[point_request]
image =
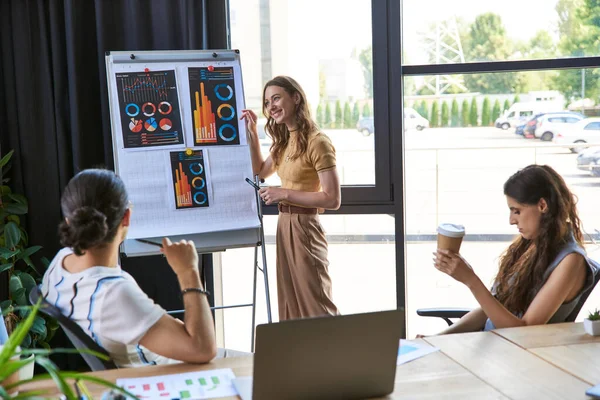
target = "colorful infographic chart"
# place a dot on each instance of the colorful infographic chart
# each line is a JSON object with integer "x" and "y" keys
{"x": 149, "y": 108}
{"x": 213, "y": 100}
{"x": 190, "y": 183}
{"x": 194, "y": 385}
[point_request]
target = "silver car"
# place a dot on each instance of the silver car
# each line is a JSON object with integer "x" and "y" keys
{"x": 549, "y": 124}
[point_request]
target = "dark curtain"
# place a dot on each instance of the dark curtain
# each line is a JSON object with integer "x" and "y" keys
{"x": 53, "y": 92}
{"x": 54, "y": 105}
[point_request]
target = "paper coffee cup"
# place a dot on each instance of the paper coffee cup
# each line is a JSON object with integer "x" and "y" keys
{"x": 450, "y": 237}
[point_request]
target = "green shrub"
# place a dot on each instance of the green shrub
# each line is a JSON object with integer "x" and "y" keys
{"x": 454, "y": 115}
{"x": 474, "y": 113}
{"x": 435, "y": 115}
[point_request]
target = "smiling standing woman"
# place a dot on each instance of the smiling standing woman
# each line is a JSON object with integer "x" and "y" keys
{"x": 543, "y": 272}
{"x": 304, "y": 159}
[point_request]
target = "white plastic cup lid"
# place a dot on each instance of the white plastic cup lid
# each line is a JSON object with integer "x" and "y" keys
{"x": 451, "y": 230}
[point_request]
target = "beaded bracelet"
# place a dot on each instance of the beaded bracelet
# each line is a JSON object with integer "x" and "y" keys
{"x": 195, "y": 289}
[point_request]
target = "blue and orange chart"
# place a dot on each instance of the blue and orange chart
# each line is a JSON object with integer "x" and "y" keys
{"x": 212, "y": 92}
{"x": 149, "y": 108}
{"x": 190, "y": 186}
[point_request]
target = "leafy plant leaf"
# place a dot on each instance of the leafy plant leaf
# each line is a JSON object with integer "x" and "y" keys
{"x": 14, "y": 218}
{"x": 5, "y": 304}
{"x": 29, "y": 251}
{"x": 13, "y": 366}
{"x": 45, "y": 262}
{"x": 16, "y": 208}
{"x": 19, "y": 198}
{"x": 62, "y": 350}
{"x": 4, "y": 172}
{"x": 16, "y": 290}
{"x": 7, "y": 253}
{"x": 28, "y": 282}
{"x": 20, "y": 332}
{"x": 12, "y": 234}
{"x": 5, "y": 267}
{"x": 29, "y": 263}
{"x": 98, "y": 381}
{"x": 27, "y": 340}
{"x": 39, "y": 327}
{"x": 4, "y": 160}
{"x": 5, "y": 190}
{"x": 58, "y": 378}
{"x": 31, "y": 395}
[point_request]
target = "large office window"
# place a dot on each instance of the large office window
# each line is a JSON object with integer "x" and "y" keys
{"x": 494, "y": 94}
{"x": 331, "y": 55}
{"x": 341, "y": 60}
{"x": 453, "y": 83}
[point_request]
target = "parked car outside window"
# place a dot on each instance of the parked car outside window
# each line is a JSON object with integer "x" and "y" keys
{"x": 413, "y": 120}
{"x": 548, "y": 124}
{"x": 585, "y": 131}
{"x": 366, "y": 126}
{"x": 589, "y": 160}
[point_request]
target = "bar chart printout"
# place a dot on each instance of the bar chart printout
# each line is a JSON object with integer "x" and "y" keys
{"x": 213, "y": 99}
{"x": 190, "y": 186}
{"x": 149, "y": 109}
{"x": 193, "y": 385}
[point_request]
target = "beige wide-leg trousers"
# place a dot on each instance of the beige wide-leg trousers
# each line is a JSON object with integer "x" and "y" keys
{"x": 303, "y": 282}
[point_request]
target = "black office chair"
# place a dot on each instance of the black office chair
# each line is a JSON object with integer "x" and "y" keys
{"x": 78, "y": 337}
{"x": 447, "y": 314}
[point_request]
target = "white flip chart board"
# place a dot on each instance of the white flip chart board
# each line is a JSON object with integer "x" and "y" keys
{"x": 181, "y": 149}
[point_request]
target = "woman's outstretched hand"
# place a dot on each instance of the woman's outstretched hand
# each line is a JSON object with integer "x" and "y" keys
{"x": 454, "y": 265}
{"x": 250, "y": 118}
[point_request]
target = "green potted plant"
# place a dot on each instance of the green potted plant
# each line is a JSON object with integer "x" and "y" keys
{"x": 591, "y": 324}
{"x": 15, "y": 260}
{"x": 10, "y": 364}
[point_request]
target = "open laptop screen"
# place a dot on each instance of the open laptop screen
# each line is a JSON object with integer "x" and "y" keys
{"x": 341, "y": 357}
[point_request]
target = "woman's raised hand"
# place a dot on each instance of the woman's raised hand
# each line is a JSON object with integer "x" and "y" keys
{"x": 182, "y": 256}
{"x": 250, "y": 118}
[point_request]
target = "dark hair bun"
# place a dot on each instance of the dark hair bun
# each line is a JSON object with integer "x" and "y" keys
{"x": 86, "y": 228}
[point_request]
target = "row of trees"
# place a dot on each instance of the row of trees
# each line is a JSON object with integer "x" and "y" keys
{"x": 467, "y": 115}
{"x": 345, "y": 118}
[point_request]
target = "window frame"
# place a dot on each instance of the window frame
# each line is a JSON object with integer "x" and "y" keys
{"x": 588, "y": 62}
{"x": 379, "y": 197}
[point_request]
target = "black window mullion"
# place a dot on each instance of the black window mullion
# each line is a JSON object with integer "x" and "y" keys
{"x": 501, "y": 66}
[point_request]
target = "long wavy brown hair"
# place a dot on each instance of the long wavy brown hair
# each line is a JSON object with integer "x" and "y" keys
{"x": 523, "y": 264}
{"x": 279, "y": 133}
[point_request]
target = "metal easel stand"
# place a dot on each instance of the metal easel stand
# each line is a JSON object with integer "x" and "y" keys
{"x": 261, "y": 243}
{"x": 256, "y": 267}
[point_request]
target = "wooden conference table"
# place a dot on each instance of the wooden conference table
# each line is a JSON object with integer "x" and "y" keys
{"x": 556, "y": 361}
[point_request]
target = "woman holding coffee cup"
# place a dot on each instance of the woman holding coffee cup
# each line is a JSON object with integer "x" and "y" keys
{"x": 543, "y": 272}
{"x": 304, "y": 159}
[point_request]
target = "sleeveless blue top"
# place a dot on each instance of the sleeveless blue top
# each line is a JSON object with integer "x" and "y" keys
{"x": 566, "y": 308}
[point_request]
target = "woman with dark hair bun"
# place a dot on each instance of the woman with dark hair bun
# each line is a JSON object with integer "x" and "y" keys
{"x": 86, "y": 283}
{"x": 543, "y": 272}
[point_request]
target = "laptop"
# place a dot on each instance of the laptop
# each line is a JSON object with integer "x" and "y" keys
{"x": 341, "y": 357}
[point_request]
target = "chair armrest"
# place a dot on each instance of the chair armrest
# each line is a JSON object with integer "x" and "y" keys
{"x": 177, "y": 314}
{"x": 444, "y": 313}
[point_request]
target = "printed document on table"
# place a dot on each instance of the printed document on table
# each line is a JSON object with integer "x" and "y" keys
{"x": 192, "y": 385}
{"x": 409, "y": 351}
